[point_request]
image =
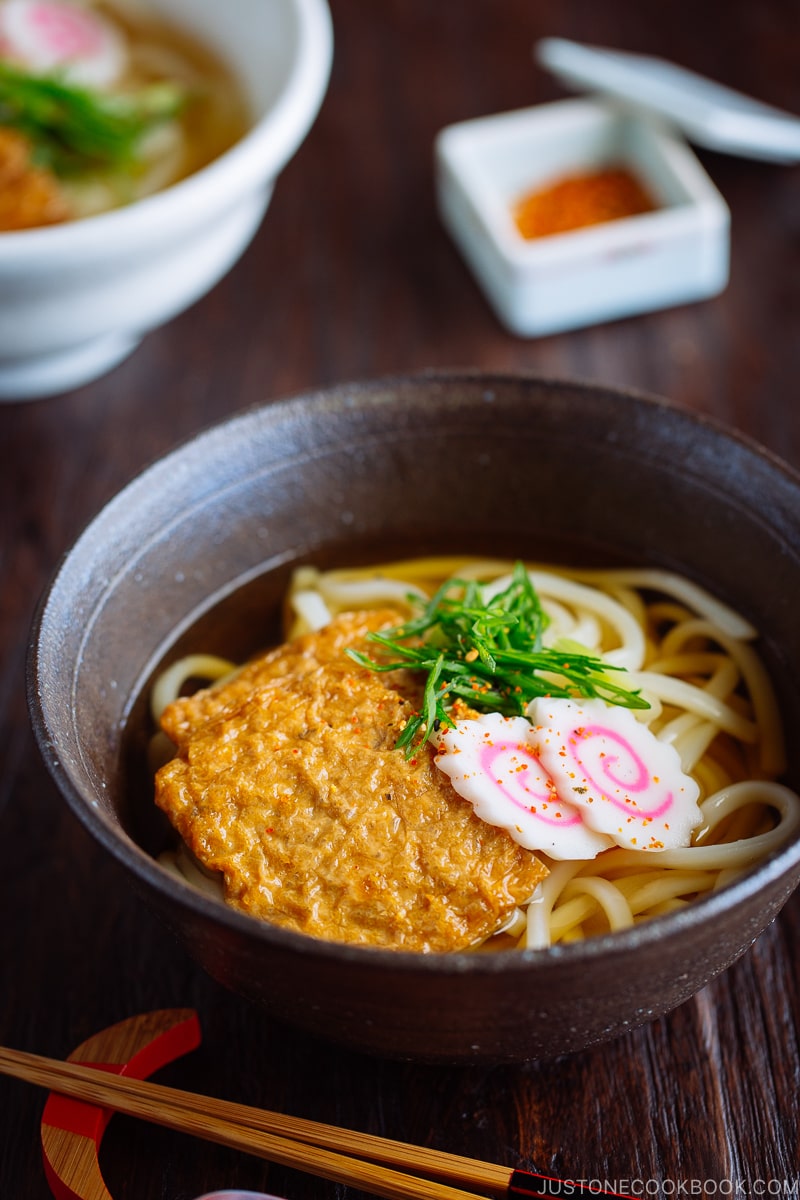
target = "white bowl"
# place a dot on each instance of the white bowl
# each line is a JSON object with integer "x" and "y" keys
{"x": 75, "y": 299}
{"x": 670, "y": 256}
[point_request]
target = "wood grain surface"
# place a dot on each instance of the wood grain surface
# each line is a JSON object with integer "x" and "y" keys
{"x": 352, "y": 276}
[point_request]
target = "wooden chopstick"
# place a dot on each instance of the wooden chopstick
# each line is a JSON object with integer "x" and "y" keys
{"x": 310, "y": 1146}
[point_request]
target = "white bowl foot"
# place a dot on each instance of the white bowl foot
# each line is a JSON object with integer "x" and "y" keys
{"x": 61, "y": 371}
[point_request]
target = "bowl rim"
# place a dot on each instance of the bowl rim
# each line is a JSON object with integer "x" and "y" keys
{"x": 255, "y": 159}
{"x": 191, "y": 902}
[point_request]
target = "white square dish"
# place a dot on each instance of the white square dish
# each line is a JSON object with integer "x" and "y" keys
{"x": 675, "y": 254}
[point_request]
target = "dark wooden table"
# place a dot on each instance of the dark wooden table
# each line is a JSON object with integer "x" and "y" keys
{"x": 352, "y": 276}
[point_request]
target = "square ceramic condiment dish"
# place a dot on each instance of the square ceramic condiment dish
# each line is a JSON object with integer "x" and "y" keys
{"x": 672, "y": 255}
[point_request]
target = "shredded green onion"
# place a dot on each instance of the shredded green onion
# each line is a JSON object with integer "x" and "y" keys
{"x": 488, "y": 653}
{"x": 74, "y": 129}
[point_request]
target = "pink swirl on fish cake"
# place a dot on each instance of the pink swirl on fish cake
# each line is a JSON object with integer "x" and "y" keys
{"x": 627, "y": 783}
{"x": 492, "y": 763}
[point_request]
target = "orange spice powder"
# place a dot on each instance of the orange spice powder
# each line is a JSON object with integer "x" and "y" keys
{"x": 577, "y": 201}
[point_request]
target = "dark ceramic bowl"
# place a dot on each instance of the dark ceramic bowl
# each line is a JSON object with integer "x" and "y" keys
{"x": 196, "y": 552}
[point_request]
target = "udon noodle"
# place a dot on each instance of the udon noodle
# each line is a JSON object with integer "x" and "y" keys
{"x": 692, "y": 659}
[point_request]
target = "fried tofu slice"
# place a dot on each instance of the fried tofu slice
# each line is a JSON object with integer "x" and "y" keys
{"x": 29, "y": 195}
{"x": 288, "y": 782}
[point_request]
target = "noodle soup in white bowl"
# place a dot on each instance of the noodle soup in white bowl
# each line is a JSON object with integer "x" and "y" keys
{"x": 77, "y": 296}
{"x": 450, "y": 469}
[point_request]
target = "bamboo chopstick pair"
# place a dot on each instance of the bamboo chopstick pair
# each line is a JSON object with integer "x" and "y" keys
{"x": 391, "y": 1169}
